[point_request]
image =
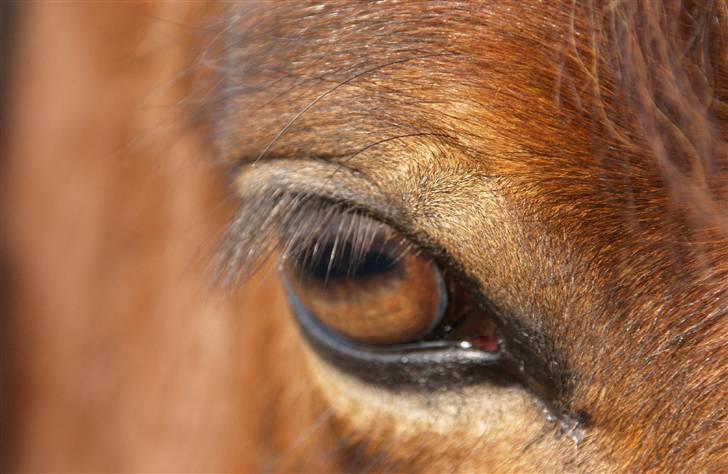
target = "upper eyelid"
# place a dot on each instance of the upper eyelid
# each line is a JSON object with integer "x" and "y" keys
{"x": 272, "y": 194}
{"x": 258, "y": 184}
{"x": 261, "y": 185}
{"x": 331, "y": 181}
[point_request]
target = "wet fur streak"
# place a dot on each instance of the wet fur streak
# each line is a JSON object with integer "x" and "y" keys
{"x": 601, "y": 131}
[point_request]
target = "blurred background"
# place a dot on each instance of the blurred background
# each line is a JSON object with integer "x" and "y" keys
{"x": 118, "y": 352}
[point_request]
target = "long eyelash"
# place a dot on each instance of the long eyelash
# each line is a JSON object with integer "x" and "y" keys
{"x": 299, "y": 226}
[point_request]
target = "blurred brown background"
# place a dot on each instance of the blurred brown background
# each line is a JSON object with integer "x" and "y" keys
{"x": 118, "y": 351}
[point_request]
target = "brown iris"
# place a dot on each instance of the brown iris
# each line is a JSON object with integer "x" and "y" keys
{"x": 377, "y": 293}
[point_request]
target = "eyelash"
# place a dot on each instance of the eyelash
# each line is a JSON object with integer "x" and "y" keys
{"x": 291, "y": 224}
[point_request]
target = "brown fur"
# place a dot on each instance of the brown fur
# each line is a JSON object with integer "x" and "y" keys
{"x": 571, "y": 158}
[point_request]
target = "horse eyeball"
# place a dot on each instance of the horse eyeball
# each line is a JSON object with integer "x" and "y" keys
{"x": 381, "y": 293}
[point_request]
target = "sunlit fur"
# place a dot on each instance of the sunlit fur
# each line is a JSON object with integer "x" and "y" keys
{"x": 571, "y": 157}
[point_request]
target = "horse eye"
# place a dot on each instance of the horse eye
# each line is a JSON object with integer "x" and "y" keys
{"x": 376, "y": 305}
{"x": 375, "y": 290}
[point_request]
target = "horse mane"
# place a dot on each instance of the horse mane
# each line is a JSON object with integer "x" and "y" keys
{"x": 668, "y": 62}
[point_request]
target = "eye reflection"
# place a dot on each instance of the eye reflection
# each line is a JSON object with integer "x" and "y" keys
{"x": 378, "y": 292}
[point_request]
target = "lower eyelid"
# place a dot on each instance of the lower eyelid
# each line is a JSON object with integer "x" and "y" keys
{"x": 431, "y": 364}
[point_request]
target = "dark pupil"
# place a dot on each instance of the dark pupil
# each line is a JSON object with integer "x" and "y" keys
{"x": 347, "y": 262}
